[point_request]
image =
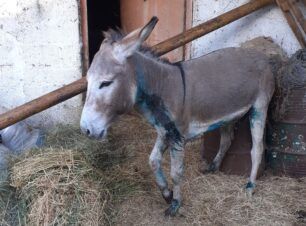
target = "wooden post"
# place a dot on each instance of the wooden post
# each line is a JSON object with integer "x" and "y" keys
{"x": 57, "y": 96}
{"x": 85, "y": 44}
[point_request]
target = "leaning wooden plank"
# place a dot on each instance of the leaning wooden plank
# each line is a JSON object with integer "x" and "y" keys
{"x": 285, "y": 7}
{"x": 57, "y": 96}
{"x": 296, "y": 11}
{"x": 295, "y": 28}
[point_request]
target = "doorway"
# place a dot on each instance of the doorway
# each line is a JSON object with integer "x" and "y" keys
{"x": 101, "y": 16}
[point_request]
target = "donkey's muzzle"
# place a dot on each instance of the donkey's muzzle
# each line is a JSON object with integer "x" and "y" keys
{"x": 93, "y": 134}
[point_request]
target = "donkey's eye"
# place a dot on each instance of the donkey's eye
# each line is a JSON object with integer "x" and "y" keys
{"x": 105, "y": 84}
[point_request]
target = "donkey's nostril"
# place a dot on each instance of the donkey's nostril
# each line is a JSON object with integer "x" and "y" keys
{"x": 88, "y": 132}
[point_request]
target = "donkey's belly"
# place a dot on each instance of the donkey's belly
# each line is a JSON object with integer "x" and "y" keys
{"x": 197, "y": 128}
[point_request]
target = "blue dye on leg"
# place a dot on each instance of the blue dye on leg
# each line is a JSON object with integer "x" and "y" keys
{"x": 212, "y": 168}
{"x": 161, "y": 179}
{"x": 250, "y": 185}
{"x": 173, "y": 208}
{"x": 254, "y": 116}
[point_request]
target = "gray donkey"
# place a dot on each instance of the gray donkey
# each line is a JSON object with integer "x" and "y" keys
{"x": 182, "y": 101}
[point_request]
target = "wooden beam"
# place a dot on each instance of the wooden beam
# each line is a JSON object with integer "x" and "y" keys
{"x": 57, "y": 96}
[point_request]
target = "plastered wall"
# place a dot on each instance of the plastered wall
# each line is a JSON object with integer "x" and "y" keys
{"x": 40, "y": 52}
{"x": 266, "y": 22}
{"x": 40, "y": 47}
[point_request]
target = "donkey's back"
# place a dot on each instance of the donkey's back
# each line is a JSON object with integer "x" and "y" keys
{"x": 225, "y": 82}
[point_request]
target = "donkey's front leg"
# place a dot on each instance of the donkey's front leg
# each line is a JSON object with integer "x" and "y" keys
{"x": 177, "y": 169}
{"x": 155, "y": 163}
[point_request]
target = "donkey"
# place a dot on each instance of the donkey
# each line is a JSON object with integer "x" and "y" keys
{"x": 182, "y": 101}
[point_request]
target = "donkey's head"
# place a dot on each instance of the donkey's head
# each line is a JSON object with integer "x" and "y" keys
{"x": 111, "y": 88}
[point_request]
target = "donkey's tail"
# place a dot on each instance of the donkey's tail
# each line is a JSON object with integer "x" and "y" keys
{"x": 276, "y": 62}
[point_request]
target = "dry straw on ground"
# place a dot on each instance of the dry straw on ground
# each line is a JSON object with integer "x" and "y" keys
{"x": 58, "y": 189}
{"x": 81, "y": 181}
{"x": 75, "y": 180}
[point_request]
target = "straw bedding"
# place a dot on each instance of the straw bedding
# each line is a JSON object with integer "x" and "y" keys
{"x": 78, "y": 181}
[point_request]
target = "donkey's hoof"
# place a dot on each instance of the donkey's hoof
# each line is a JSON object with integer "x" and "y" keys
{"x": 173, "y": 208}
{"x": 212, "y": 168}
{"x": 250, "y": 187}
{"x": 168, "y": 198}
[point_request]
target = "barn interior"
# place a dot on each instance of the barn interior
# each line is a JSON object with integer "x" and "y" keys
{"x": 102, "y": 15}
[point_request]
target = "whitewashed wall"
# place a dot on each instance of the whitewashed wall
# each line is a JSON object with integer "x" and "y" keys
{"x": 39, "y": 52}
{"x": 266, "y": 22}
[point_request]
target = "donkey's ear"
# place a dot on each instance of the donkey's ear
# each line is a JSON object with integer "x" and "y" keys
{"x": 132, "y": 42}
{"x": 147, "y": 30}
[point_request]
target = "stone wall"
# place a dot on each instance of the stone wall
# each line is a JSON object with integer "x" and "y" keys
{"x": 40, "y": 51}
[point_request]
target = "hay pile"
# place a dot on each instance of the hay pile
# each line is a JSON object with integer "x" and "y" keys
{"x": 74, "y": 180}
{"x": 58, "y": 188}
{"x": 78, "y": 181}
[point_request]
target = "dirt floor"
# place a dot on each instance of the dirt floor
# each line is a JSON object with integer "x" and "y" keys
{"x": 113, "y": 183}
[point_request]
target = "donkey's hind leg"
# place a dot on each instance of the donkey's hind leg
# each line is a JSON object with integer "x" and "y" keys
{"x": 227, "y": 135}
{"x": 257, "y": 123}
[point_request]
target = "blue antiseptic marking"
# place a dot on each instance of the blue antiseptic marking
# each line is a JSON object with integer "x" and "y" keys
{"x": 255, "y": 115}
{"x": 173, "y": 208}
{"x": 250, "y": 185}
{"x": 153, "y": 108}
{"x": 175, "y": 203}
{"x": 215, "y": 126}
{"x": 140, "y": 94}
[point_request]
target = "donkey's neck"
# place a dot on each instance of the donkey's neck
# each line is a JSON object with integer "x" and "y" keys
{"x": 153, "y": 76}
{"x": 159, "y": 87}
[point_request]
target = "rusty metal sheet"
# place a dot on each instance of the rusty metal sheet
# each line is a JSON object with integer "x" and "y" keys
{"x": 237, "y": 160}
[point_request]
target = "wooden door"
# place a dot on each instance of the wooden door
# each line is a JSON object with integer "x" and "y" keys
{"x": 174, "y": 17}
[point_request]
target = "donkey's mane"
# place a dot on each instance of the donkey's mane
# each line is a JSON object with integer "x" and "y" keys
{"x": 113, "y": 35}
